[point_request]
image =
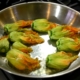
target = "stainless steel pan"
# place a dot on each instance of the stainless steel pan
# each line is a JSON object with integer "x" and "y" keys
{"x": 33, "y": 10}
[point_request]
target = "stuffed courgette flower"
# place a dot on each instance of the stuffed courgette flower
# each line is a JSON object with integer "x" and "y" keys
{"x": 31, "y": 39}
{"x": 25, "y": 38}
{"x": 59, "y": 61}
{"x": 16, "y": 25}
{"x": 15, "y": 36}
{"x": 10, "y": 27}
{"x": 63, "y": 31}
{"x": 28, "y": 31}
{"x": 68, "y": 44}
{"x": 4, "y": 44}
{"x": 22, "y": 61}
{"x": 20, "y": 46}
{"x": 42, "y": 25}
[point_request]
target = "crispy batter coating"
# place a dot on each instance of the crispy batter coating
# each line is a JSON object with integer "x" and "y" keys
{"x": 63, "y": 31}
{"x": 60, "y": 60}
{"x": 52, "y": 25}
{"x": 73, "y": 31}
{"x": 22, "y": 61}
{"x": 24, "y": 48}
{"x": 28, "y": 31}
{"x": 68, "y": 44}
{"x": 42, "y": 25}
{"x": 31, "y": 39}
{"x": 23, "y": 23}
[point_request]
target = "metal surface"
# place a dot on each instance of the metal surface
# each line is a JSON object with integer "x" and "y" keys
{"x": 33, "y": 10}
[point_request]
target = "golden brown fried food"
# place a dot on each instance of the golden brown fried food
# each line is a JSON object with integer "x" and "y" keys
{"x": 60, "y": 60}
{"x": 25, "y": 38}
{"x": 68, "y": 44}
{"x": 28, "y": 31}
{"x": 4, "y": 44}
{"x": 20, "y": 46}
{"x": 22, "y": 61}
{"x": 23, "y": 23}
{"x": 52, "y": 25}
{"x": 16, "y": 25}
{"x": 42, "y": 25}
{"x": 31, "y": 39}
{"x": 73, "y": 31}
{"x": 63, "y": 31}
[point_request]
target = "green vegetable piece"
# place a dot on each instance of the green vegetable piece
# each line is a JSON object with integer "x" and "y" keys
{"x": 22, "y": 61}
{"x": 40, "y": 25}
{"x": 20, "y": 46}
{"x": 4, "y": 45}
{"x": 15, "y": 36}
{"x": 67, "y": 44}
{"x": 10, "y": 27}
{"x": 57, "y": 32}
{"x": 60, "y": 60}
{"x": 14, "y": 58}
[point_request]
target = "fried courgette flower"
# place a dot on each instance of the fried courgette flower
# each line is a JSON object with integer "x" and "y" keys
{"x": 23, "y": 23}
{"x": 28, "y": 31}
{"x": 63, "y": 31}
{"x": 15, "y": 36}
{"x": 22, "y": 61}
{"x": 20, "y": 46}
{"x": 16, "y": 25}
{"x": 42, "y": 25}
{"x": 10, "y": 27}
{"x": 25, "y": 38}
{"x": 31, "y": 39}
{"x": 60, "y": 60}
{"x": 4, "y": 44}
{"x": 68, "y": 44}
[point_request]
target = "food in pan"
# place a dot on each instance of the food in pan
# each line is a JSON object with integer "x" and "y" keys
{"x": 25, "y": 38}
{"x": 16, "y": 25}
{"x": 68, "y": 44}
{"x": 10, "y": 27}
{"x": 63, "y": 31}
{"x": 22, "y": 61}
{"x": 21, "y": 35}
{"x": 20, "y": 46}
{"x": 28, "y": 31}
{"x": 24, "y": 23}
{"x": 31, "y": 39}
{"x": 59, "y": 61}
{"x": 18, "y": 36}
{"x": 15, "y": 36}
{"x": 42, "y": 25}
{"x": 4, "y": 44}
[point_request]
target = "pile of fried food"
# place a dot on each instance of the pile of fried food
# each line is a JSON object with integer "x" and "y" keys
{"x": 16, "y": 44}
{"x": 20, "y": 35}
{"x": 67, "y": 40}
